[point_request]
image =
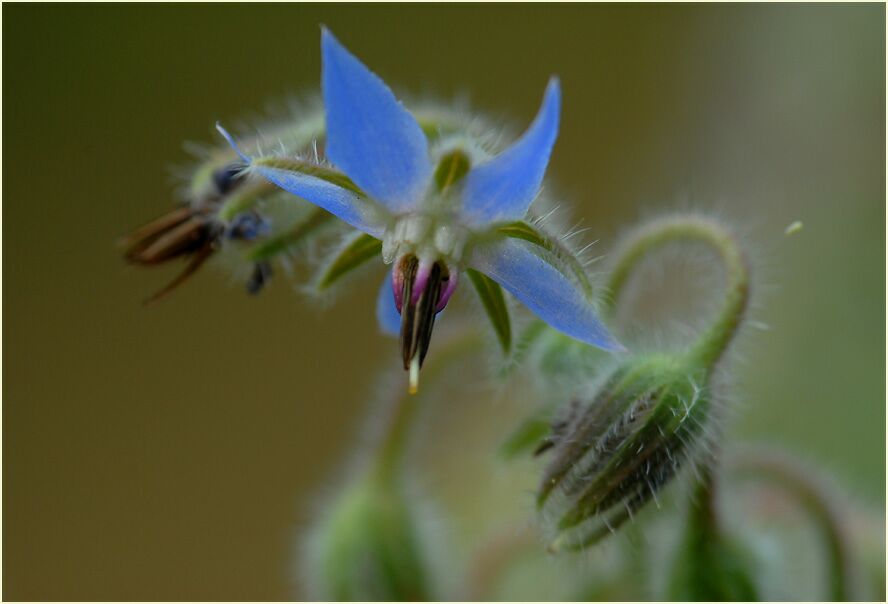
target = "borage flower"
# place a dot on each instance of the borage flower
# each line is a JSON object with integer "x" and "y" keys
{"x": 438, "y": 210}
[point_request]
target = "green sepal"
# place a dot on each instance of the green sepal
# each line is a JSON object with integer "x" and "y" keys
{"x": 527, "y": 232}
{"x": 281, "y": 242}
{"x": 436, "y": 124}
{"x": 491, "y": 295}
{"x": 527, "y": 436}
{"x": 359, "y": 250}
{"x": 245, "y": 198}
{"x": 526, "y": 340}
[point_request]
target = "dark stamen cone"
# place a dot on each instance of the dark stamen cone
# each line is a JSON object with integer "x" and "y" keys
{"x": 408, "y": 267}
{"x": 421, "y": 293}
{"x": 426, "y": 311}
{"x": 418, "y": 318}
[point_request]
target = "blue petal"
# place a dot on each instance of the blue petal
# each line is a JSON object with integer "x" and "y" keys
{"x": 370, "y": 135}
{"x": 543, "y": 289}
{"x": 342, "y": 203}
{"x": 504, "y": 187}
{"x": 386, "y": 313}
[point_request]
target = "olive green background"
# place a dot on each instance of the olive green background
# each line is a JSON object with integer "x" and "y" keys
{"x": 175, "y": 452}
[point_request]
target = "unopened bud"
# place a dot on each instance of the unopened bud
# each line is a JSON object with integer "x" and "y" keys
{"x": 367, "y": 548}
{"x": 618, "y": 448}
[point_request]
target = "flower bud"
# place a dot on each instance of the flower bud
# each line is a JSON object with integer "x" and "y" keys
{"x": 367, "y": 548}
{"x": 614, "y": 452}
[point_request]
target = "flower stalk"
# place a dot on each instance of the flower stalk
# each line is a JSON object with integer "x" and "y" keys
{"x": 710, "y": 566}
{"x": 395, "y": 438}
{"x": 712, "y": 343}
{"x": 369, "y": 542}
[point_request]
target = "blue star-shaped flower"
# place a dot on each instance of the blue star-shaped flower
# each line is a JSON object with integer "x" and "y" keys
{"x": 435, "y": 221}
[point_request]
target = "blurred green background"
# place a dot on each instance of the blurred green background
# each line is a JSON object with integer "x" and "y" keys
{"x": 175, "y": 452}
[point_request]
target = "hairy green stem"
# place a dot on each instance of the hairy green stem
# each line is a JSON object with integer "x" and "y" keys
{"x": 713, "y": 342}
{"x": 703, "y": 510}
{"x": 280, "y": 243}
{"x": 710, "y": 566}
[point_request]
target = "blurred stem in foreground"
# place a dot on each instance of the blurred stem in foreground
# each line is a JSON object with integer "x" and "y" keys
{"x": 369, "y": 544}
{"x": 817, "y": 500}
{"x": 392, "y": 452}
{"x": 710, "y": 566}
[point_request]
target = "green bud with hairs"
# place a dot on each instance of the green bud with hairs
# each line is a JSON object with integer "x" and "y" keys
{"x": 649, "y": 416}
{"x": 367, "y": 547}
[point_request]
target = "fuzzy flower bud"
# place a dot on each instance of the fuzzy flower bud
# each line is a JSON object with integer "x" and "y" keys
{"x": 366, "y": 548}
{"x": 652, "y": 414}
{"x": 616, "y": 450}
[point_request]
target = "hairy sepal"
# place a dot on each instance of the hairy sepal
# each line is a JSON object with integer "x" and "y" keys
{"x": 290, "y": 238}
{"x": 357, "y": 250}
{"x": 622, "y": 447}
{"x": 528, "y": 436}
{"x": 555, "y": 253}
{"x": 494, "y": 303}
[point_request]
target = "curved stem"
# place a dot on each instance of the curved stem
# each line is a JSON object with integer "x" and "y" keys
{"x": 795, "y": 480}
{"x": 712, "y": 343}
{"x": 395, "y": 437}
{"x": 703, "y": 506}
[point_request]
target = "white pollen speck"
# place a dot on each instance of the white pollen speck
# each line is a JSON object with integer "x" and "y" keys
{"x": 793, "y": 228}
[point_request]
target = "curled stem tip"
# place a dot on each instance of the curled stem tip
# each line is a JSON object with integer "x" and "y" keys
{"x": 712, "y": 343}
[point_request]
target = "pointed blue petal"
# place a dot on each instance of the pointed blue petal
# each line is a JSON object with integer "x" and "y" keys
{"x": 230, "y": 140}
{"x": 543, "y": 289}
{"x": 386, "y": 313}
{"x": 370, "y": 135}
{"x": 342, "y": 203}
{"x": 504, "y": 187}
